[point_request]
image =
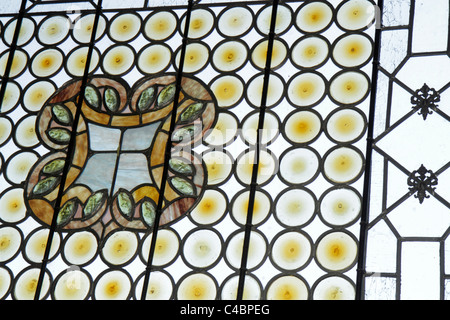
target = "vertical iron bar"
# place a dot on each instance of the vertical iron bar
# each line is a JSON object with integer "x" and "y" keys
{"x": 167, "y": 153}
{"x": 254, "y": 179}
{"x": 70, "y": 152}
{"x": 368, "y": 164}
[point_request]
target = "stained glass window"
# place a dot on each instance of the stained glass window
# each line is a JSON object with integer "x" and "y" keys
{"x": 250, "y": 150}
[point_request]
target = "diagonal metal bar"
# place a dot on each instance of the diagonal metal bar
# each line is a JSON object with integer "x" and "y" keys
{"x": 70, "y": 153}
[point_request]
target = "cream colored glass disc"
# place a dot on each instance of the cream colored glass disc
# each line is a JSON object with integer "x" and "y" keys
{"x": 80, "y": 247}
{"x": 310, "y": 52}
{"x": 282, "y": 21}
{"x": 11, "y": 97}
{"x": 356, "y": 14}
{"x": 195, "y": 58}
{"x": 340, "y": 206}
{"x": 345, "y": 125}
{"x": 352, "y": 50}
{"x": 124, "y": 27}
{"x": 26, "y": 285}
{"x": 228, "y": 90}
{"x": 291, "y": 250}
{"x": 343, "y": 165}
{"x": 159, "y": 287}
{"x": 259, "y": 54}
{"x": 306, "y": 89}
{"x": 120, "y": 247}
{"x": 118, "y": 60}
{"x": 218, "y": 166}
{"x": 269, "y": 131}
{"x": 229, "y": 56}
{"x": 261, "y": 207}
{"x": 5, "y": 282}
{"x": 160, "y": 25}
{"x": 235, "y": 21}
{"x": 256, "y": 252}
{"x": 210, "y": 208}
{"x": 336, "y": 251}
{"x": 154, "y": 58}
{"x": 299, "y": 165}
{"x": 83, "y": 28}
{"x": 274, "y": 91}
{"x": 252, "y": 289}
{"x": 72, "y": 285}
{"x": 47, "y": 62}
{"x": 37, "y": 94}
{"x": 76, "y": 62}
{"x": 166, "y": 247}
{"x": 19, "y": 63}
{"x": 12, "y": 206}
{"x": 5, "y": 129}
{"x": 201, "y": 22}
{"x": 349, "y": 87}
{"x": 10, "y": 241}
{"x": 224, "y": 131}
{"x": 314, "y": 16}
{"x": 202, "y": 248}
{"x": 197, "y": 286}
{"x": 112, "y": 285}
{"x": 287, "y": 288}
{"x": 26, "y": 132}
{"x": 295, "y": 207}
{"x": 36, "y": 245}
{"x": 25, "y": 34}
{"x": 19, "y": 166}
{"x": 334, "y": 288}
{"x": 266, "y": 167}
{"x": 302, "y": 127}
{"x": 54, "y": 29}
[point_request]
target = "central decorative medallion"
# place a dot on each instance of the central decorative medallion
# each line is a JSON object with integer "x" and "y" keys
{"x": 114, "y": 177}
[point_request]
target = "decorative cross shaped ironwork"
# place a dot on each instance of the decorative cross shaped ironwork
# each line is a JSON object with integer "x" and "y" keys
{"x": 422, "y": 181}
{"x": 424, "y": 100}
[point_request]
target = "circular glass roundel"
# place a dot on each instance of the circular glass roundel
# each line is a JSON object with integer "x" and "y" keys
{"x": 154, "y": 58}
{"x": 36, "y": 243}
{"x": 10, "y": 242}
{"x": 261, "y": 207}
{"x": 352, "y": 50}
{"x": 82, "y": 29}
{"x": 299, "y": 165}
{"x": 47, "y": 62}
{"x": 166, "y": 247}
{"x": 197, "y": 286}
{"x": 224, "y": 130}
{"x": 295, "y": 207}
{"x": 228, "y": 90}
{"x": 5, "y": 129}
{"x": 252, "y": 289}
{"x": 196, "y": 57}
{"x": 259, "y": 54}
{"x": 18, "y": 65}
{"x": 36, "y": 94}
{"x": 343, "y": 164}
{"x": 306, "y": 89}
{"x": 77, "y": 59}
{"x": 12, "y": 205}
{"x": 25, "y": 134}
{"x": 118, "y": 60}
{"x": 124, "y": 27}
{"x": 256, "y": 251}
{"x": 229, "y": 55}
{"x": 80, "y": 247}
{"x": 268, "y": 133}
{"x": 314, "y": 16}
{"x": 235, "y": 21}
{"x": 310, "y": 52}
{"x": 201, "y": 23}
{"x": 112, "y": 285}
{"x": 72, "y": 285}
{"x": 336, "y": 251}
{"x": 334, "y": 288}
{"x": 349, "y": 87}
{"x": 160, "y": 287}
{"x": 274, "y": 91}
{"x": 266, "y": 168}
{"x": 54, "y": 29}
{"x": 218, "y": 165}
{"x": 211, "y": 207}
{"x": 26, "y": 31}
{"x": 291, "y": 250}
{"x": 340, "y": 206}
{"x": 26, "y": 284}
{"x": 160, "y": 25}
{"x": 11, "y": 96}
{"x": 120, "y": 247}
{"x": 302, "y": 126}
{"x": 5, "y": 281}
{"x": 282, "y": 21}
{"x": 355, "y": 14}
{"x": 202, "y": 248}
{"x": 287, "y": 287}
{"x": 19, "y": 165}
{"x": 346, "y": 125}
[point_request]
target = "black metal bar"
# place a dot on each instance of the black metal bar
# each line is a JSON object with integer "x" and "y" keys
{"x": 167, "y": 154}
{"x": 254, "y": 179}
{"x": 70, "y": 153}
{"x": 12, "y": 49}
{"x": 368, "y": 164}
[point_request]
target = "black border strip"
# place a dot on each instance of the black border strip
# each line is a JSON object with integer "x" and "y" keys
{"x": 70, "y": 152}
{"x": 167, "y": 153}
{"x": 254, "y": 184}
{"x": 368, "y": 164}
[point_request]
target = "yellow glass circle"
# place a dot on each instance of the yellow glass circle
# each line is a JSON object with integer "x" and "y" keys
{"x": 72, "y": 285}
{"x": 356, "y": 14}
{"x": 76, "y": 62}
{"x": 26, "y": 285}
{"x": 235, "y": 21}
{"x": 37, "y": 94}
{"x": 5, "y": 129}
{"x": 287, "y": 288}
{"x": 256, "y": 251}
{"x": 197, "y": 287}
{"x": 299, "y": 165}
{"x": 282, "y": 21}
{"x": 211, "y": 207}
{"x": 224, "y": 130}
{"x": 120, "y": 247}
{"x": 261, "y": 207}
{"x": 274, "y": 90}
{"x": 340, "y": 206}
{"x": 160, "y": 25}
{"x": 19, "y": 166}
{"x": 334, "y": 288}
{"x": 336, "y": 251}
{"x": 306, "y": 89}
{"x": 26, "y": 132}
{"x": 266, "y": 167}
{"x": 302, "y": 126}
{"x": 268, "y": 132}
{"x": 314, "y": 17}
{"x": 84, "y": 26}
{"x": 252, "y": 289}
{"x": 54, "y": 29}
{"x": 10, "y": 241}
{"x": 259, "y": 54}
{"x": 47, "y": 62}
{"x": 291, "y": 250}
{"x": 112, "y": 285}
{"x": 343, "y": 165}
{"x": 229, "y": 55}
{"x": 352, "y": 50}
{"x": 154, "y": 58}
{"x": 228, "y": 90}
{"x": 218, "y": 166}
{"x": 80, "y": 247}
{"x": 37, "y": 244}
{"x": 118, "y": 60}
{"x": 11, "y": 97}
{"x": 349, "y": 87}
{"x": 345, "y": 125}
{"x": 310, "y": 52}
{"x": 295, "y": 207}
{"x": 12, "y": 206}
{"x": 166, "y": 247}
{"x": 201, "y": 22}
{"x": 195, "y": 58}
{"x": 124, "y": 27}
{"x": 19, "y": 62}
